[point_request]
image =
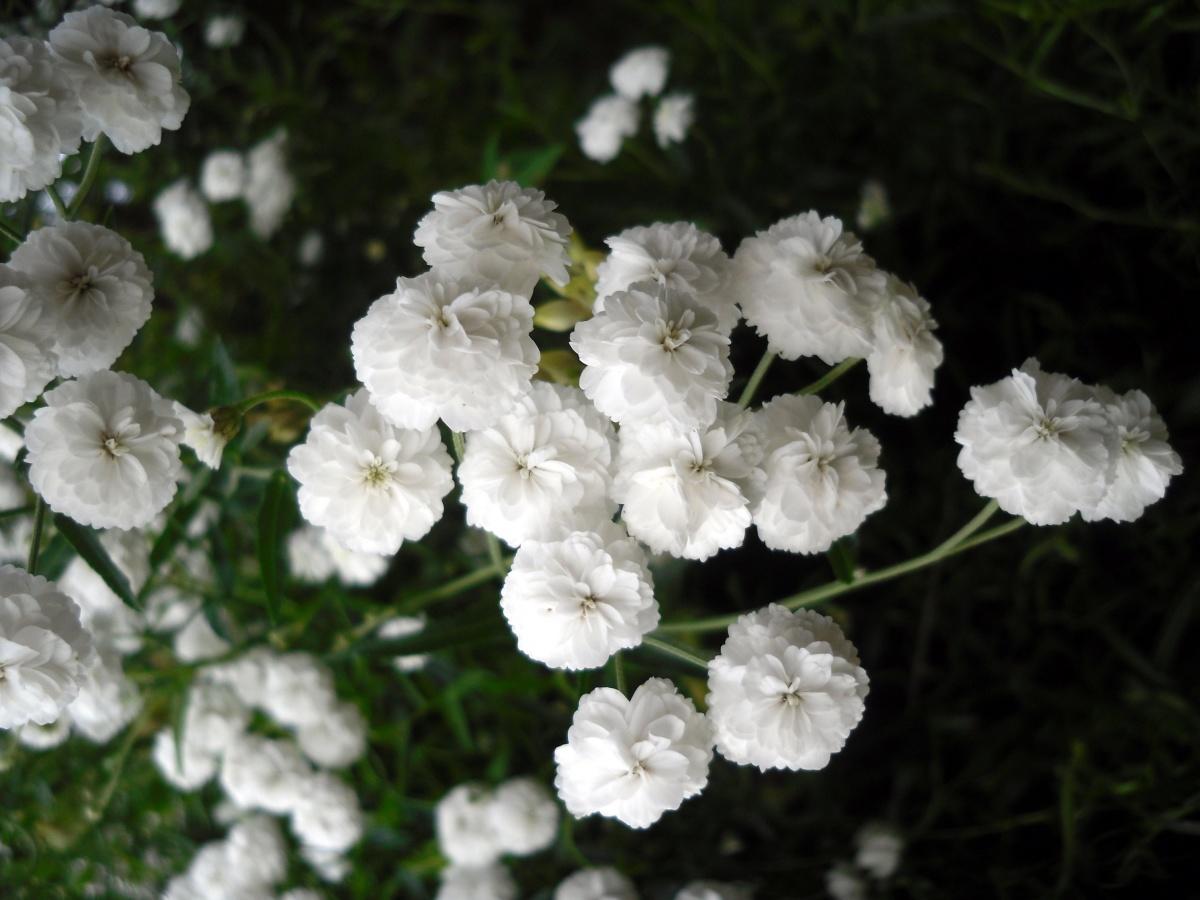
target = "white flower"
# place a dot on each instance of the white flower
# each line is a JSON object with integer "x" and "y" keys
{"x": 844, "y": 883}
{"x": 372, "y": 485}
{"x": 713, "y": 890}
{"x": 298, "y": 690}
{"x": 256, "y": 851}
{"x": 677, "y": 255}
{"x": 496, "y": 233}
{"x": 542, "y": 470}
{"x": 808, "y": 288}
{"x": 311, "y": 249}
{"x": 186, "y": 768}
{"x": 247, "y": 675}
{"x": 44, "y": 650}
{"x": 438, "y": 348}
{"x": 94, "y": 291}
{"x": 39, "y": 118}
{"x": 327, "y": 815}
{"x": 107, "y": 701}
{"x": 113, "y": 624}
{"x": 300, "y": 894}
{"x": 785, "y": 691}
{"x": 601, "y": 132}
{"x": 1145, "y": 461}
{"x": 223, "y": 175}
{"x": 573, "y": 603}
{"x": 259, "y": 773}
{"x": 156, "y": 9}
{"x": 197, "y": 641}
{"x": 199, "y": 433}
{"x": 905, "y": 353}
{"x": 183, "y": 220}
{"x": 603, "y": 883}
{"x": 1037, "y": 442}
{"x": 215, "y": 717}
{"x": 269, "y": 188}
{"x": 45, "y": 737}
{"x": 654, "y": 354}
{"x": 330, "y": 865}
{"x": 127, "y": 77}
{"x": 337, "y": 739}
{"x": 641, "y": 72}
{"x": 524, "y": 816}
{"x": 104, "y": 450}
{"x": 314, "y": 555}
{"x": 466, "y": 833}
{"x": 822, "y": 478}
{"x": 476, "y": 883}
{"x": 683, "y": 492}
{"x": 403, "y": 626}
{"x": 673, "y": 118}
{"x": 224, "y": 31}
{"x": 879, "y": 849}
{"x": 11, "y": 442}
{"x": 633, "y": 759}
{"x": 26, "y": 364}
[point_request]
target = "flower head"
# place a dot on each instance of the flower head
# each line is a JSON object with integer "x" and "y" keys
{"x": 336, "y": 739}
{"x": 260, "y": 773}
{"x": 183, "y": 220}
{"x": 269, "y": 188}
{"x": 466, "y": 834}
{"x": 223, "y": 175}
{"x": 609, "y": 120}
{"x": 673, "y": 118}
{"x": 524, "y": 816}
{"x": 601, "y": 883}
{"x": 224, "y": 31}
{"x": 879, "y": 849}
{"x": 107, "y": 701}
{"x": 26, "y": 362}
{"x": 491, "y": 882}
{"x": 327, "y": 815}
{"x": 641, "y": 72}
{"x": 905, "y": 353}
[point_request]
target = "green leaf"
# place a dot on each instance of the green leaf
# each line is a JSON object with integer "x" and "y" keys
{"x": 224, "y": 385}
{"x": 92, "y": 552}
{"x": 491, "y": 156}
{"x": 273, "y": 518}
{"x": 531, "y": 167}
{"x": 559, "y": 315}
{"x": 841, "y": 557}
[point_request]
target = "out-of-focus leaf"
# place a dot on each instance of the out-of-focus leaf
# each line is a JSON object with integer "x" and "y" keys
{"x": 223, "y": 388}
{"x": 841, "y": 558}
{"x": 530, "y": 168}
{"x": 272, "y": 522}
{"x": 560, "y": 366}
{"x": 558, "y": 315}
{"x": 92, "y": 552}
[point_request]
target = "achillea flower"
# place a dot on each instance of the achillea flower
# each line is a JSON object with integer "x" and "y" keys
{"x": 327, "y": 815}
{"x": 466, "y": 834}
{"x": 601, "y": 132}
{"x": 223, "y": 175}
{"x": 879, "y": 849}
{"x": 673, "y": 118}
{"x": 641, "y": 72}
{"x": 26, "y": 363}
{"x": 905, "y": 353}
{"x": 524, "y": 816}
{"x": 270, "y": 188}
{"x": 492, "y": 882}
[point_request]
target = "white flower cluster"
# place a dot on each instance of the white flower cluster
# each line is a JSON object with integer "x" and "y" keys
{"x": 249, "y": 862}
{"x": 614, "y": 117}
{"x": 1046, "y": 446}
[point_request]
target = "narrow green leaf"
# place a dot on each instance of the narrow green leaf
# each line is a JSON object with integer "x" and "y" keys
{"x": 841, "y": 558}
{"x": 531, "y": 167}
{"x": 224, "y": 388}
{"x": 92, "y": 552}
{"x": 272, "y": 522}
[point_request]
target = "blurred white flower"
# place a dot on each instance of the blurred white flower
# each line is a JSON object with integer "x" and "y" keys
{"x": 223, "y": 175}
{"x": 104, "y": 450}
{"x": 26, "y": 362}
{"x": 39, "y": 118}
{"x": 466, "y": 833}
{"x": 311, "y": 249}
{"x": 44, "y": 650}
{"x": 641, "y": 72}
{"x": 127, "y": 77}
{"x": 197, "y": 641}
{"x": 107, "y": 701}
{"x": 492, "y": 882}
{"x": 438, "y": 348}
{"x": 372, "y": 485}
{"x": 247, "y": 675}
{"x": 183, "y": 220}
{"x": 330, "y": 865}
{"x": 315, "y": 555}
{"x": 45, "y": 737}
{"x": 269, "y": 188}
{"x": 713, "y": 890}
{"x": 1038, "y": 443}
{"x": 609, "y": 120}
{"x": 542, "y": 470}
{"x": 112, "y": 623}
{"x": 683, "y": 492}
{"x": 523, "y": 816}
{"x": 257, "y": 852}
{"x": 327, "y": 815}
{"x": 601, "y": 883}
{"x": 186, "y": 768}
{"x": 94, "y": 291}
{"x": 224, "y": 31}
{"x": 785, "y": 691}
{"x": 260, "y": 773}
{"x": 676, "y": 255}
{"x": 879, "y": 849}
{"x": 873, "y": 206}
{"x": 822, "y": 478}
{"x": 905, "y": 354}
{"x": 337, "y": 739}
{"x": 215, "y": 717}
{"x": 497, "y": 233}
{"x": 673, "y": 118}
{"x": 156, "y": 9}
{"x": 808, "y": 288}
{"x": 654, "y": 355}
{"x": 633, "y": 759}
{"x": 403, "y": 626}
{"x": 298, "y": 690}
{"x": 844, "y": 883}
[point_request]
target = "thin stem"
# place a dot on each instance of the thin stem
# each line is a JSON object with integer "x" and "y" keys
{"x": 494, "y": 554}
{"x": 619, "y": 672}
{"x": 977, "y": 522}
{"x": 831, "y": 376}
{"x": 89, "y": 175}
{"x": 677, "y": 652}
{"x": 460, "y": 445}
{"x": 57, "y": 200}
{"x": 756, "y": 378}
{"x": 258, "y": 399}
{"x": 35, "y": 545}
{"x": 11, "y": 233}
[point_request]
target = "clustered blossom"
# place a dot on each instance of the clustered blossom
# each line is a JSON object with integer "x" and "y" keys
{"x": 785, "y": 691}
{"x": 609, "y": 121}
{"x": 491, "y": 882}
{"x": 249, "y": 862}
{"x": 1046, "y": 446}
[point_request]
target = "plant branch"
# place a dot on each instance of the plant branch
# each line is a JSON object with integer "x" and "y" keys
{"x": 831, "y": 376}
{"x": 11, "y": 233}
{"x": 35, "y": 545}
{"x": 677, "y": 652}
{"x": 258, "y": 399}
{"x": 57, "y": 200}
{"x": 89, "y": 176}
{"x": 756, "y": 378}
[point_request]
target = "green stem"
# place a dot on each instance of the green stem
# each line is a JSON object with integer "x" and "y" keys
{"x": 619, "y": 672}
{"x": 677, "y": 652}
{"x": 258, "y": 399}
{"x": 11, "y": 233}
{"x": 977, "y": 522}
{"x": 89, "y": 176}
{"x": 460, "y": 445}
{"x": 35, "y": 545}
{"x": 756, "y": 378}
{"x": 831, "y": 376}
{"x": 57, "y": 200}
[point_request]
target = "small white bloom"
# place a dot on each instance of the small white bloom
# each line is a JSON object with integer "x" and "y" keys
{"x": 541, "y": 471}
{"x": 156, "y": 9}
{"x": 300, "y": 894}
{"x": 673, "y": 118}
{"x": 633, "y": 759}
{"x": 677, "y": 255}
{"x": 269, "y": 188}
{"x": 104, "y": 450}
{"x": 259, "y": 773}
{"x": 197, "y": 641}
{"x": 808, "y": 288}
{"x": 905, "y": 353}
{"x": 573, "y": 603}
{"x": 315, "y": 555}
{"x": 215, "y": 717}
{"x": 327, "y": 815}
{"x": 39, "y": 118}
{"x": 331, "y": 865}
{"x": 94, "y": 291}
{"x": 641, "y": 72}
{"x": 11, "y": 442}
{"x": 656, "y": 355}
{"x": 247, "y": 675}
{"x": 311, "y": 249}
{"x": 822, "y": 478}
{"x": 785, "y": 691}
{"x": 436, "y": 348}
{"x": 337, "y": 739}
{"x": 403, "y": 626}
{"x": 372, "y": 485}
{"x": 256, "y": 851}
{"x": 879, "y": 849}
{"x": 873, "y": 206}
{"x": 187, "y": 768}
{"x": 44, "y": 650}
{"x": 683, "y": 492}
{"x": 602, "y": 883}
{"x": 127, "y": 77}
{"x": 844, "y": 883}
{"x": 466, "y": 833}
{"x": 476, "y": 883}
{"x": 26, "y": 363}
{"x": 1145, "y": 461}
{"x": 299, "y": 689}
{"x": 183, "y": 220}
{"x": 496, "y": 233}
{"x": 45, "y": 737}
{"x": 713, "y": 890}
{"x": 524, "y": 816}
{"x": 601, "y": 132}
{"x": 224, "y": 31}
{"x": 1037, "y": 442}
{"x": 199, "y": 433}
{"x": 107, "y": 701}
{"x": 223, "y": 175}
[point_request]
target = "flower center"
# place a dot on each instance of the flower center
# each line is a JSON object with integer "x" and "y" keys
{"x": 1132, "y": 438}
{"x": 113, "y": 447}
{"x": 122, "y": 64}
{"x": 672, "y": 335}
{"x": 378, "y": 473}
{"x": 587, "y": 604}
{"x": 791, "y": 699}
{"x": 1047, "y": 428}
{"x": 81, "y": 284}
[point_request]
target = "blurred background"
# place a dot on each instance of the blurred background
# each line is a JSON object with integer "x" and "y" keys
{"x": 1032, "y": 727}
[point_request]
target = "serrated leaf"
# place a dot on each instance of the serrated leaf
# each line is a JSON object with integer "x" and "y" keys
{"x": 558, "y": 315}
{"x": 272, "y": 522}
{"x": 92, "y": 552}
